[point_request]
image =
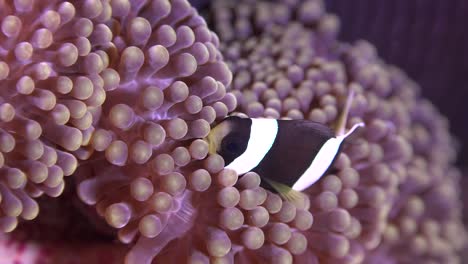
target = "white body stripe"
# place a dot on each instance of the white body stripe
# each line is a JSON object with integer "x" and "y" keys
{"x": 322, "y": 161}
{"x": 262, "y": 136}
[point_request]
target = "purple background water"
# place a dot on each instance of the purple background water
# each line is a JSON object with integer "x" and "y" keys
{"x": 428, "y": 39}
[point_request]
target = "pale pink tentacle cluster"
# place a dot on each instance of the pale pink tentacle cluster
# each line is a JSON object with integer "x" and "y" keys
{"x": 122, "y": 84}
{"x": 392, "y": 194}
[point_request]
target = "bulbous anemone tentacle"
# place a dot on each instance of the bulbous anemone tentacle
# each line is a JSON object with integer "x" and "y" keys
{"x": 287, "y": 63}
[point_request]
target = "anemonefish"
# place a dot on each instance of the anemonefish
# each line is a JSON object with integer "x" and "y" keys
{"x": 289, "y": 155}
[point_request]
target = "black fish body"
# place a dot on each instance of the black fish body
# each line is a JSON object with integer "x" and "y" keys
{"x": 290, "y": 154}
{"x": 296, "y": 145}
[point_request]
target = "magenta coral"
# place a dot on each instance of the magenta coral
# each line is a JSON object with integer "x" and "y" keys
{"x": 119, "y": 94}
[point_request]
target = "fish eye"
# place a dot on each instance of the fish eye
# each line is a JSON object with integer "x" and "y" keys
{"x": 232, "y": 147}
{"x": 231, "y": 144}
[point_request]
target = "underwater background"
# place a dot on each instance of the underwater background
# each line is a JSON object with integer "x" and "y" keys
{"x": 104, "y": 105}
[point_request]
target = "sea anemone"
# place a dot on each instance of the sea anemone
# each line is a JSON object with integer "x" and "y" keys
{"x": 388, "y": 199}
{"x": 119, "y": 95}
{"x": 121, "y": 86}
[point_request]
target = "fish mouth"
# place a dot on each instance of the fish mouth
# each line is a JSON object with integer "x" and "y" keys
{"x": 216, "y": 135}
{"x": 211, "y": 146}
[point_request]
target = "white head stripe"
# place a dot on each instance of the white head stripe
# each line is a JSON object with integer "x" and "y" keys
{"x": 262, "y": 136}
{"x": 322, "y": 161}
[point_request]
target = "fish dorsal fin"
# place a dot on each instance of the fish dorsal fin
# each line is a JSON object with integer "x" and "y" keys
{"x": 299, "y": 199}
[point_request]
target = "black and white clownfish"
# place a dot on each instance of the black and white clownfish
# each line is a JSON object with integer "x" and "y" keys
{"x": 289, "y": 155}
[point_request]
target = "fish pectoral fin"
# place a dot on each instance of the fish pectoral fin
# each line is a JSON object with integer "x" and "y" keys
{"x": 299, "y": 199}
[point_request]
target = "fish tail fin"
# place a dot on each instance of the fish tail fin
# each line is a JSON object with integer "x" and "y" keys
{"x": 343, "y": 118}
{"x": 340, "y": 129}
